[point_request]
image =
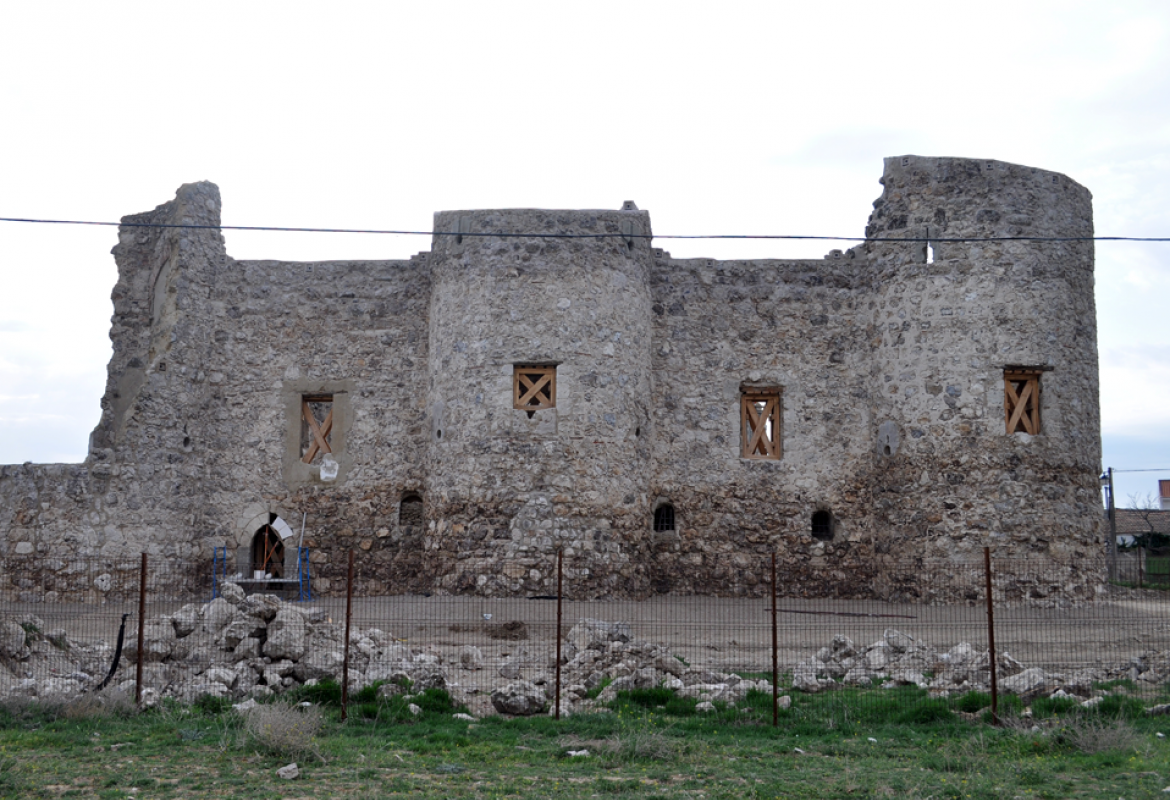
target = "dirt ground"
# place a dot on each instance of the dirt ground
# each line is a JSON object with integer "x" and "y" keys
{"x": 717, "y": 633}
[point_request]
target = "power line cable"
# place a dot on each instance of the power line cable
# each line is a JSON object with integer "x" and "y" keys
{"x": 527, "y": 235}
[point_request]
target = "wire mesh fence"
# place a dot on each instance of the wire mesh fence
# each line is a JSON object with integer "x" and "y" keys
{"x": 564, "y": 653}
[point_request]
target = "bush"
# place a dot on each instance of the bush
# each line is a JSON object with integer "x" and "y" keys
{"x": 284, "y": 730}
{"x": 925, "y": 712}
{"x": 972, "y": 702}
{"x": 647, "y": 698}
{"x": 325, "y": 693}
{"x": 1095, "y": 736}
{"x": 1120, "y": 706}
{"x": 1054, "y": 706}
{"x": 212, "y": 706}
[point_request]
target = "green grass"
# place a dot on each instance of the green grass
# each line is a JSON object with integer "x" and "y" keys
{"x": 651, "y": 743}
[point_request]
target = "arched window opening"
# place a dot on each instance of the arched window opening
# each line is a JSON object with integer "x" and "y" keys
{"x": 410, "y": 510}
{"x": 822, "y": 525}
{"x": 268, "y": 553}
{"x": 664, "y": 517}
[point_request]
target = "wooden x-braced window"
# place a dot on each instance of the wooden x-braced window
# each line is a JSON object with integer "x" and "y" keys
{"x": 534, "y": 387}
{"x": 1021, "y": 402}
{"x": 316, "y": 425}
{"x": 760, "y": 424}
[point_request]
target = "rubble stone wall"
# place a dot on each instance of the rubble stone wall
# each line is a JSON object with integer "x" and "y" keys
{"x": 888, "y": 358}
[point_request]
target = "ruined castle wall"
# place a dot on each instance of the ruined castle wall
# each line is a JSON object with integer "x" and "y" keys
{"x": 353, "y": 330}
{"x": 948, "y": 329}
{"x": 721, "y": 326}
{"x": 506, "y": 484}
{"x": 889, "y": 365}
{"x": 140, "y": 489}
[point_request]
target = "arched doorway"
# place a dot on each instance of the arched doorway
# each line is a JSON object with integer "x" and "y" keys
{"x": 268, "y": 552}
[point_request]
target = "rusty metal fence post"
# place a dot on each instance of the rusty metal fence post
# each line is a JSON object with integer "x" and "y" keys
{"x": 991, "y": 637}
{"x": 141, "y": 630}
{"x": 775, "y": 656}
{"x": 560, "y": 595}
{"x": 345, "y": 651}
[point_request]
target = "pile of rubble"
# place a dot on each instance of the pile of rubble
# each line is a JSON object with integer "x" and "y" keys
{"x": 240, "y": 646}
{"x": 65, "y": 667}
{"x": 235, "y": 646}
{"x": 898, "y": 659}
{"x": 604, "y": 655}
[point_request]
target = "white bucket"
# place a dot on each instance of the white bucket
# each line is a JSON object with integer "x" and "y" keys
{"x": 258, "y": 574}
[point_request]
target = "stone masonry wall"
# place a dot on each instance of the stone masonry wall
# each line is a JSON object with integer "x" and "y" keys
{"x": 949, "y": 328}
{"x": 889, "y": 364}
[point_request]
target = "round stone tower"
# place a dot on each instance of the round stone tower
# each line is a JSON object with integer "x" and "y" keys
{"x": 538, "y": 396}
{"x": 984, "y": 384}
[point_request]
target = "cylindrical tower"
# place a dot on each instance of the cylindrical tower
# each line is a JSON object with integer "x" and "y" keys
{"x": 984, "y": 383}
{"x": 538, "y": 397}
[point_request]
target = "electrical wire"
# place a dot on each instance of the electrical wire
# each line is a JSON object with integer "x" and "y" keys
{"x": 526, "y": 235}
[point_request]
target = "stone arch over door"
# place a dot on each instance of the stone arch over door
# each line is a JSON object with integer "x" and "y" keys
{"x": 251, "y": 522}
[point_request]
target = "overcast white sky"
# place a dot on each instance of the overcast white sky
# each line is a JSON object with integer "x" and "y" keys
{"x": 716, "y": 117}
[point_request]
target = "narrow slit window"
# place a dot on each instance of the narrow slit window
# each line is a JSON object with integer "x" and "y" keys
{"x": 316, "y": 426}
{"x": 664, "y": 518}
{"x": 822, "y": 526}
{"x": 534, "y": 387}
{"x": 1021, "y": 406}
{"x": 760, "y": 424}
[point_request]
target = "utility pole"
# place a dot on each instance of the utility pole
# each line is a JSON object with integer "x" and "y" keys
{"x": 1111, "y": 512}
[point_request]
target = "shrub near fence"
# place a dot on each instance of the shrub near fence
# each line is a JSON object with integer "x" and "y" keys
{"x": 500, "y": 652}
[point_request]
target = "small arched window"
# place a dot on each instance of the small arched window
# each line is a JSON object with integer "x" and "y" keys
{"x": 410, "y": 510}
{"x": 664, "y": 517}
{"x": 822, "y": 525}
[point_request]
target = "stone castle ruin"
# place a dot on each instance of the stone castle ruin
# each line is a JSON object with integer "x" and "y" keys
{"x": 549, "y": 380}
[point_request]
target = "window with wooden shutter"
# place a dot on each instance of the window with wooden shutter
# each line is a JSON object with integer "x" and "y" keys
{"x": 760, "y": 423}
{"x": 1021, "y": 401}
{"x": 534, "y": 387}
{"x": 316, "y": 426}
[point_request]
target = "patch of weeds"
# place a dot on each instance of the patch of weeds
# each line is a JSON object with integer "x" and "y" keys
{"x": 16, "y": 711}
{"x": 366, "y": 710}
{"x": 436, "y": 701}
{"x": 32, "y": 633}
{"x": 284, "y": 730}
{"x": 114, "y": 703}
{"x": 396, "y": 708}
{"x": 607, "y": 786}
{"x": 1043, "y": 707}
{"x": 680, "y": 706}
{"x": 758, "y": 701}
{"x": 682, "y": 660}
{"x": 637, "y": 742}
{"x": 973, "y": 702}
{"x": 12, "y": 781}
{"x": 1117, "y": 683}
{"x": 367, "y": 694}
{"x": 211, "y": 706}
{"x": 926, "y": 711}
{"x": 1120, "y": 706}
{"x": 1095, "y": 736}
{"x": 1010, "y": 707}
{"x": 646, "y": 698}
{"x": 593, "y": 693}
{"x": 325, "y": 693}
